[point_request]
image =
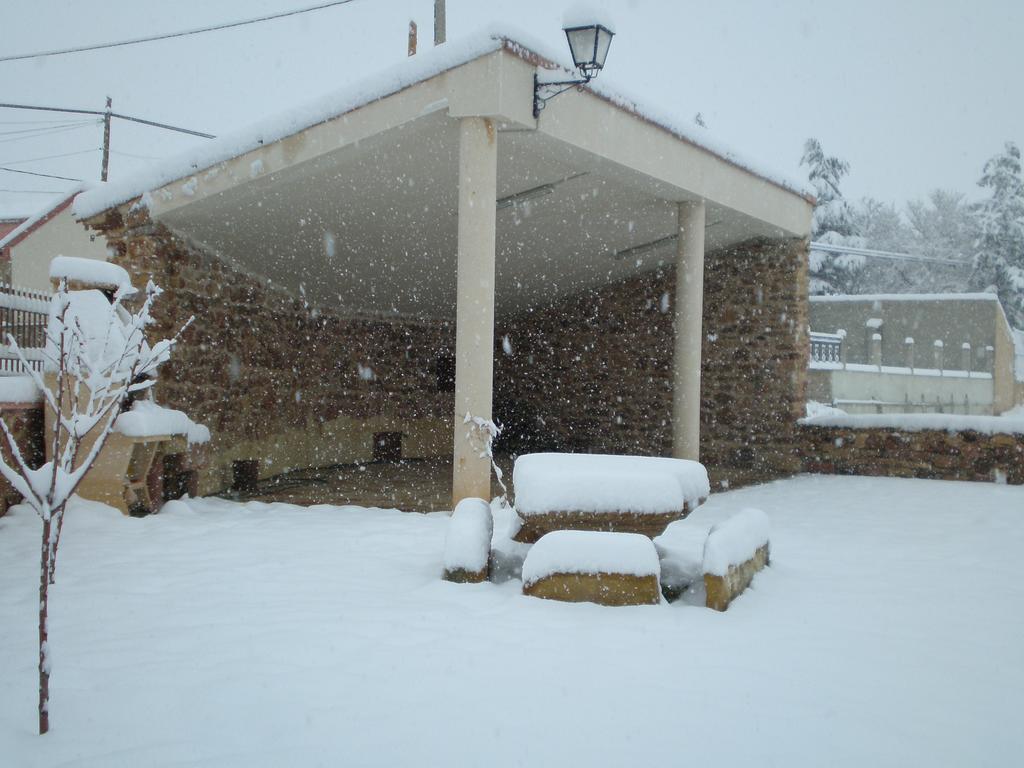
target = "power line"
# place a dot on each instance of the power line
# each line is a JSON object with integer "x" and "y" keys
{"x": 169, "y": 35}
{"x": 133, "y": 119}
{"x": 889, "y": 255}
{"x": 35, "y": 191}
{"x": 33, "y": 173}
{"x": 47, "y": 129}
{"x": 51, "y": 157}
{"x": 50, "y": 133}
{"x": 32, "y": 122}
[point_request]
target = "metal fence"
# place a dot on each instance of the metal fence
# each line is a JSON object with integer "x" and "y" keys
{"x": 826, "y": 347}
{"x": 23, "y": 315}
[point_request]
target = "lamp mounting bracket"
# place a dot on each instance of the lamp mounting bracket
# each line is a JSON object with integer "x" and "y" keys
{"x": 543, "y": 92}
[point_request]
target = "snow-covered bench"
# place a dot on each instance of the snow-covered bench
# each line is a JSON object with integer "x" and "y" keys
{"x": 595, "y": 567}
{"x": 681, "y": 551}
{"x": 724, "y": 557}
{"x": 735, "y": 550}
{"x": 597, "y": 492}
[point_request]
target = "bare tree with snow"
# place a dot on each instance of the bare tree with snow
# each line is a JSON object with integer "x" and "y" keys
{"x": 97, "y": 359}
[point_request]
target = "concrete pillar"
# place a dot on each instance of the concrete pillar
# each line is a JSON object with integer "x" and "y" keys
{"x": 909, "y": 345}
{"x": 876, "y": 349}
{"x": 965, "y": 356}
{"x": 689, "y": 334}
{"x": 474, "y": 331}
{"x": 938, "y": 347}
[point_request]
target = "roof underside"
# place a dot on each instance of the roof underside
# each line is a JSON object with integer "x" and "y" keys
{"x": 359, "y": 213}
{"x": 373, "y": 227}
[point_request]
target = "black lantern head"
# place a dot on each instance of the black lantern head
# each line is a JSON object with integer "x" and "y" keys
{"x": 589, "y": 46}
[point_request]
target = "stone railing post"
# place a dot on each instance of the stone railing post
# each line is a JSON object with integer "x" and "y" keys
{"x": 876, "y": 349}
{"x": 965, "y": 356}
{"x": 938, "y": 345}
{"x": 908, "y": 346}
{"x": 844, "y": 348}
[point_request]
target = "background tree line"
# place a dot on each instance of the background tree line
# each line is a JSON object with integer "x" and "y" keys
{"x": 984, "y": 240}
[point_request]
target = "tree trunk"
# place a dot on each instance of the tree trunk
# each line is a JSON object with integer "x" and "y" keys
{"x": 44, "y": 662}
{"x": 59, "y": 513}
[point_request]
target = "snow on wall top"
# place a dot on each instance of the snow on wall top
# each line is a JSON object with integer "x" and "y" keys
{"x": 147, "y": 419}
{"x": 915, "y": 422}
{"x": 413, "y": 70}
{"x": 590, "y": 552}
{"x": 90, "y": 272}
{"x": 19, "y": 389}
{"x": 569, "y": 482}
{"x": 846, "y": 297}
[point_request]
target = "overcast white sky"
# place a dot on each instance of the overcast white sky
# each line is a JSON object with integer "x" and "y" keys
{"x": 915, "y": 94}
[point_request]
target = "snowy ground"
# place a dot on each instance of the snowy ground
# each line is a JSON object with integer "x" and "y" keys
{"x": 889, "y": 630}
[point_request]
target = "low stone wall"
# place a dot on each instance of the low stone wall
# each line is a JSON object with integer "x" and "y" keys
{"x": 933, "y": 454}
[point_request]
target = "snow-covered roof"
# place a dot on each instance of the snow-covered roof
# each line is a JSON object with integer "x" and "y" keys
{"x": 904, "y": 297}
{"x": 54, "y": 206}
{"x": 413, "y": 70}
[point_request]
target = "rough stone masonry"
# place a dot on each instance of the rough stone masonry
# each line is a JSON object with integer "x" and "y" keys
{"x": 295, "y": 385}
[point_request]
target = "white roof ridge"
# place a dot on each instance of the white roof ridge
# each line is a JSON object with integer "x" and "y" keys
{"x": 390, "y": 80}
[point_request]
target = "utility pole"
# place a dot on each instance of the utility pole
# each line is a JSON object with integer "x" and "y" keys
{"x": 106, "y": 140}
{"x": 439, "y": 22}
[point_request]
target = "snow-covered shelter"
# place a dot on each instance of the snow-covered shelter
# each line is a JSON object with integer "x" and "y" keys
{"x": 368, "y": 270}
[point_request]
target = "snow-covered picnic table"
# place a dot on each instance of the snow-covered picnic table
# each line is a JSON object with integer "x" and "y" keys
{"x": 599, "y": 492}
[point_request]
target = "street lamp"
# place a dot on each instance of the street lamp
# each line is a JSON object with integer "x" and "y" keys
{"x": 589, "y": 47}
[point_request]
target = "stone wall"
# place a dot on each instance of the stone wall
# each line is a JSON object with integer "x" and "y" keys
{"x": 279, "y": 381}
{"x": 933, "y": 454}
{"x": 594, "y": 372}
{"x": 275, "y": 379}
